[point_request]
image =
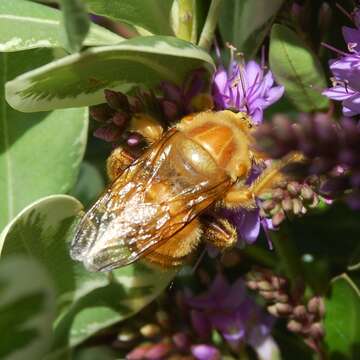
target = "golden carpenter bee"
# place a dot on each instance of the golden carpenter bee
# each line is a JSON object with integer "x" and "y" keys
{"x": 154, "y": 208}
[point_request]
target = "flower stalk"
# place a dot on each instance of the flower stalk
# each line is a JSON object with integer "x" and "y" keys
{"x": 207, "y": 34}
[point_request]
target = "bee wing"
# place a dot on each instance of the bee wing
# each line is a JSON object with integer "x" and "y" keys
{"x": 153, "y": 199}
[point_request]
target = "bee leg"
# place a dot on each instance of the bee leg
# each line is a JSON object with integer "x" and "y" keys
{"x": 175, "y": 250}
{"x": 245, "y": 196}
{"x": 146, "y": 126}
{"x": 219, "y": 232}
{"x": 117, "y": 162}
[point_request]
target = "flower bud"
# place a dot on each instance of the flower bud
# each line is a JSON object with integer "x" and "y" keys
{"x": 316, "y": 306}
{"x": 139, "y": 352}
{"x": 278, "y": 218}
{"x": 300, "y": 312}
{"x": 158, "y": 351}
{"x": 264, "y": 285}
{"x": 284, "y": 309}
{"x": 317, "y": 331}
{"x": 163, "y": 318}
{"x": 272, "y": 309}
{"x": 117, "y": 100}
{"x": 278, "y": 194}
{"x": 126, "y": 335}
{"x": 287, "y": 204}
{"x": 170, "y": 109}
{"x": 297, "y": 206}
{"x": 109, "y": 133}
{"x": 281, "y": 297}
{"x": 252, "y": 284}
{"x": 101, "y": 112}
{"x": 267, "y": 295}
{"x": 268, "y": 205}
{"x": 278, "y": 282}
{"x": 181, "y": 341}
{"x": 293, "y": 188}
{"x": 294, "y": 326}
{"x": 205, "y": 352}
{"x": 150, "y": 330}
{"x": 307, "y": 192}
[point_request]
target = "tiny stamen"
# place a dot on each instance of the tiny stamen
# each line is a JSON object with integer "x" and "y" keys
{"x": 334, "y": 49}
{"x": 346, "y": 13}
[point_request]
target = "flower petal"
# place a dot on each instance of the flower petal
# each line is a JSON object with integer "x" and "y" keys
{"x": 352, "y": 36}
{"x": 274, "y": 94}
{"x": 353, "y": 103}
{"x": 253, "y": 72}
{"x": 338, "y": 93}
{"x": 205, "y": 352}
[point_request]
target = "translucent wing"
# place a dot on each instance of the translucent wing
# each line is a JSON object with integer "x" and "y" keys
{"x": 147, "y": 204}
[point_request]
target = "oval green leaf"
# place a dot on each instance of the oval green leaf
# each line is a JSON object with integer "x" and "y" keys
{"x": 246, "y": 23}
{"x": 89, "y": 185}
{"x": 297, "y": 68}
{"x": 80, "y": 79}
{"x": 17, "y": 17}
{"x": 342, "y": 319}
{"x": 76, "y": 23}
{"x": 151, "y": 15}
{"x": 128, "y": 291}
{"x": 56, "y": 140}
{"x": 27, "y": 308}
{"x": 86, "y": 302}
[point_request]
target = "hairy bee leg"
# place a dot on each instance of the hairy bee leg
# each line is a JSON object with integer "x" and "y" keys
{"x": 117, "y": 162}
{"x": 219, "y": 233}
{"x": 146, "y": 126}
{"x": 176, "y": 249}
{"x": 245, "y": 196}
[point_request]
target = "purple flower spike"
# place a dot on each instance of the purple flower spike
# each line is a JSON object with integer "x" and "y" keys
{"x": 346, "y": 71}
{"x": 246, "y": 88}
{"x": 232, "y": 312}
{"x": 205, "y": 352}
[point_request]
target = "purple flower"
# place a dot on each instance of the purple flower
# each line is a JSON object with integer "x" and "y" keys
{"x": 178, "y": 101}
{"x": 346, "y": 83}
{"x": 232, "y": 312}
{"x": 247, "y": 222}
{"x": 246, "y": 88}
{"x": 205, "y": 352}
{"x": 346, "y": 71}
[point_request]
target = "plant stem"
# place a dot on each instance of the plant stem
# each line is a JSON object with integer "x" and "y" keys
{"x": 186, "y": 20}
{"x": 288, "y": 255}
{"x": 260, "y": 255}
{"x": 208, "y": 30}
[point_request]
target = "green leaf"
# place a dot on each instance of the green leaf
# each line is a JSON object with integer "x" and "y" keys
{"x": 80, "y": 79}
{"x": 95, "y": 353}
{"x": 184, "y": 19}
{"x": 342, "y": 319}
{"x": 26, "y": 25}
{"x": 330, "y": 236}
{"x": 40, "y": 153}
{"x": 27, "y": 309}
{"x": 354, "y": 261}
{"x": 86, "y": 302}
{"x": 151, "y": 15}
{"x": 76, "y": 23}
{"x": 297, "y": 68}
{"x": 122, "y": 295}
{"x": 89, "y": 185}
{"x": 246, "y": 23}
